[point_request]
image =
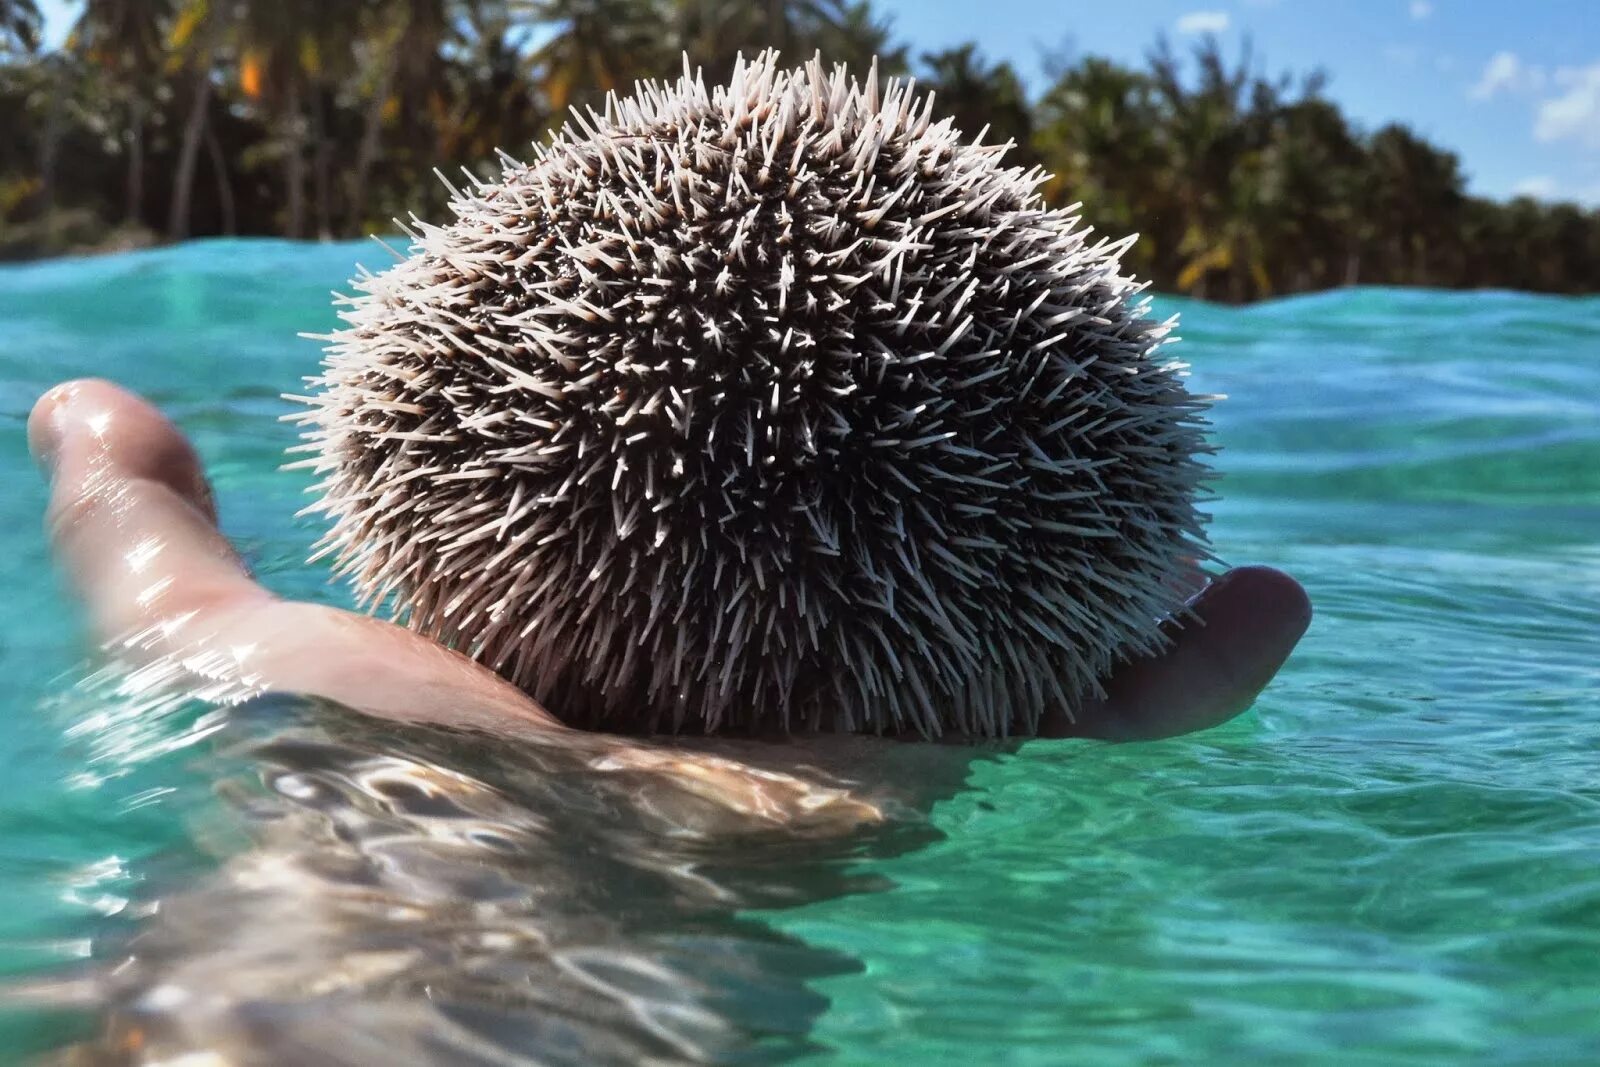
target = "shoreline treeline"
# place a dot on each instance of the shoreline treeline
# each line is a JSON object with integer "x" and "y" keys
{"x": 164, "y": 119}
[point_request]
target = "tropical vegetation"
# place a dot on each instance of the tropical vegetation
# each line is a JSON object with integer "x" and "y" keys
{"x": 167, "y": 119}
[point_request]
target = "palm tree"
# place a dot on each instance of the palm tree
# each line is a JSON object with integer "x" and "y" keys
{"x": 1240, "y": 185}
{"x": 1573, "y": 253}
{"x": 20, "y": 26}
{"x": 125, "y": 40}
{"x": 1313, "y": 169}
{"x": 197, "y": 32}
{"x": 331, "y": 62}
{"x": 403, "y": 40}
{"x": 842, "y": 32}
{"x": 20, "y": 23}
{"x": 597, "y": 47}
{"x": 977, "y": 95}
{"x": 714, "y": 33}
{"x": 1416, "y": 200}
{"x": 1215, "y": 136}
{"x": 488, "y": 97}
{"x": 274, "y": 39}
{"x": 1098, "y": 132}
{"x": 291, "y": 53}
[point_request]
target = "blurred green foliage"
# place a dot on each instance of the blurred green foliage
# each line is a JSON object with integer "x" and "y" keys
{"x": 162, "y": 119}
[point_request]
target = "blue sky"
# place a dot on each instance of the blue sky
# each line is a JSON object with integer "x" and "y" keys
{"x": 1513, "y": 86}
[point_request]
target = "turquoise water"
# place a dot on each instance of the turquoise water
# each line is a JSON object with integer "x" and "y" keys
{"x": 1395, "y": 858}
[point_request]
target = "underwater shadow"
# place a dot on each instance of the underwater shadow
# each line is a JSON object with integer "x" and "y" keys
{"x": 417, "y": 895}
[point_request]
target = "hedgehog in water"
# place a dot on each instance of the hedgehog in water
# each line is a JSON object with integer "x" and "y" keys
{"x": 777, "y": 405}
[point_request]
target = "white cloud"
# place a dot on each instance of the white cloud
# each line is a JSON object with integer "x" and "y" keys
{"x": 1421, "y": 9}
{"x": 1541, "y": 187}
{"x": 1575, "y": 114}
{"x": 1500, "y": 74}
{"x": 1203, "y": 22}
{"x": 1507, "y": 73}
{"x": 1402, "y": 55}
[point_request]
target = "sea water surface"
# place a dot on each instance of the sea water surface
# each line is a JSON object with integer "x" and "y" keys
{"x": 1394, "y": 858}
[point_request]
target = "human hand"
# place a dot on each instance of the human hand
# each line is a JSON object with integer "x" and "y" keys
{"x": 1229, "y": 642}
{"x": 132, "y": 519}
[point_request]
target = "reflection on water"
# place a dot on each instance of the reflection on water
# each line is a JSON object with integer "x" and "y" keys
{"x": 409, "y": 895}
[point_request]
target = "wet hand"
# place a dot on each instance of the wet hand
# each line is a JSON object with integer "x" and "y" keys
{"x": 132, "y": 519}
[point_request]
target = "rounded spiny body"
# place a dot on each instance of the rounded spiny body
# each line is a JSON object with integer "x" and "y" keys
{"x": 776, "y": 405}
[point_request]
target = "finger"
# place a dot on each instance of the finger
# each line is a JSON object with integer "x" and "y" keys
{"x": 132, "y": 520}
{"x": 130, "y": 513}
{"x": 118, "y": 430}
{"x": 1239, "y": 632}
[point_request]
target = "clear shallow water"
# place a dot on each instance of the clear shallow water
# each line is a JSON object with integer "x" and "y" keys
{"x": 1395, "y": 858}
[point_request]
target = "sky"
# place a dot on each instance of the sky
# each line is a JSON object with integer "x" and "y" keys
{"x": 1512, "y": 86}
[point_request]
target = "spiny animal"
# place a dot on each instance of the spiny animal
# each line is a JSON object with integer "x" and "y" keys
{"x": 774, "y": 405}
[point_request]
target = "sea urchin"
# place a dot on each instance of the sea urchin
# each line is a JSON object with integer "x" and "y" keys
{"x": 774, "y": 405}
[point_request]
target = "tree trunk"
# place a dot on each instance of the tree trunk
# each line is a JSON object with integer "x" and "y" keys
{"x": 50, "y": 148}
{"x": 189, "y": 156}
{"x": 294, "y": 163}
{"x": 367, "y": 154}
{"x": 135, "y": 207}
{"x": 778, "y": 26}
{"x": 323, "y": 161}
{"x": 219, "y": 167}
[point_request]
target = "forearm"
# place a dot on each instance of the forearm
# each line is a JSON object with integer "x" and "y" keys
{"x": 131, "y": 522}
